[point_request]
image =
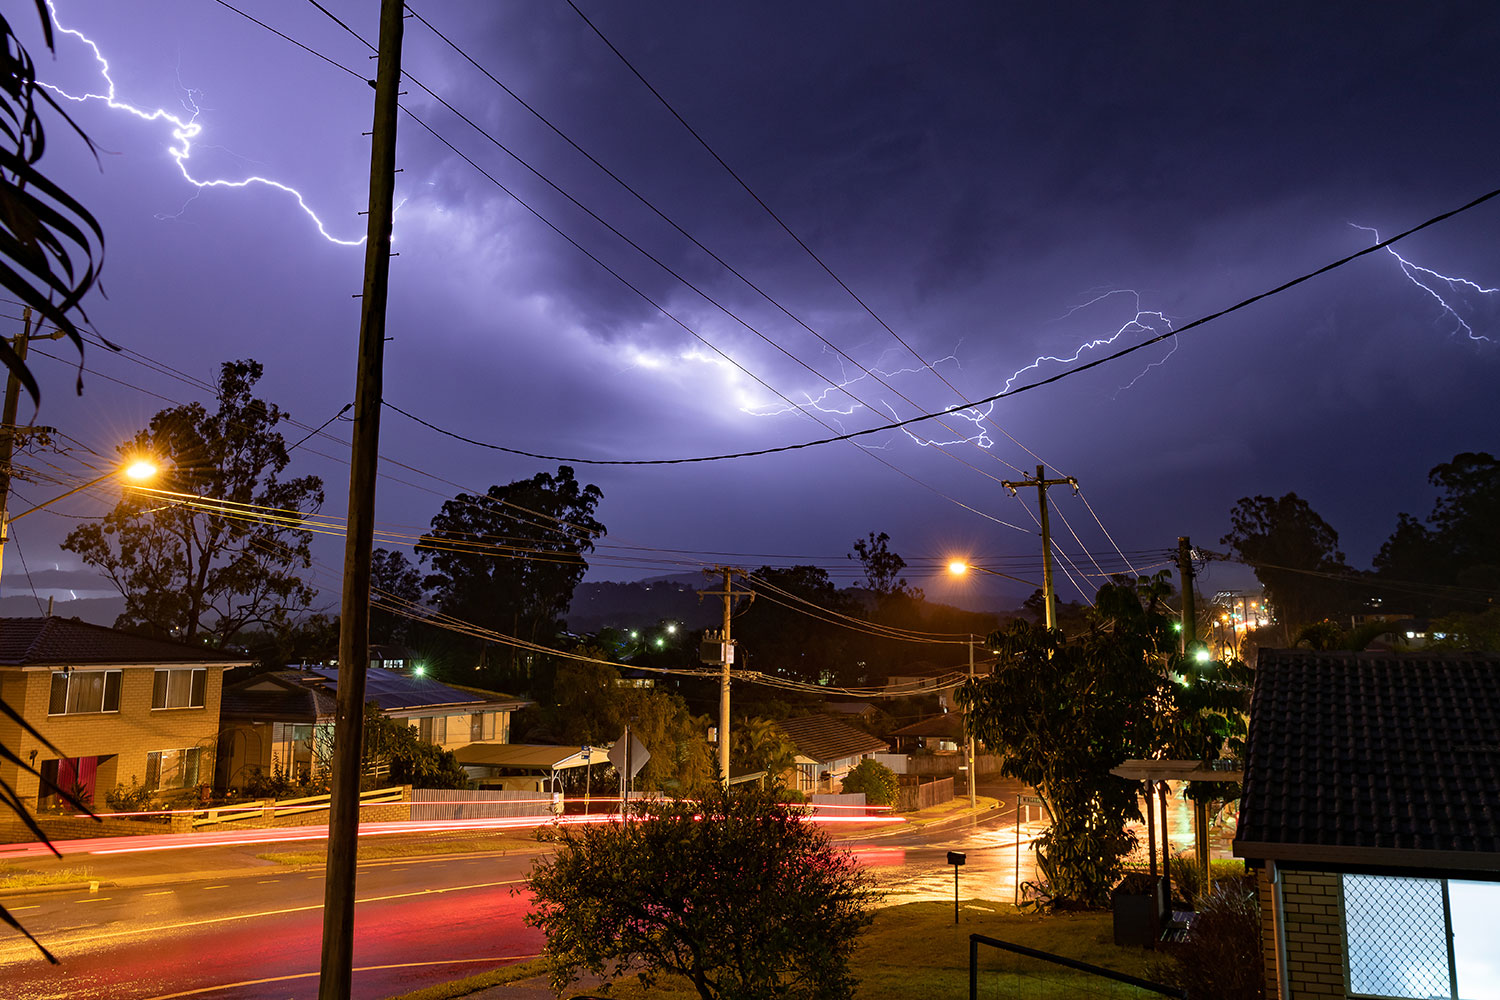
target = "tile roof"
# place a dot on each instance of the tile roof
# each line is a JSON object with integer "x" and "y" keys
{"x": 26, "y": 642}
{"x": 1382, "y": 758}
{"x": 950, "y": 724}
{"x": 394, "y": 691}
{"x": 277, "y": 696}
{"x": 824, "y": 739}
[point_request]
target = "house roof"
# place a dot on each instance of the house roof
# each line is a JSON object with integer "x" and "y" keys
{"x": 528, "y": 756}
{"x": 51, "y": 641}
{"x": 1374, "y": 758}
{"x": 396, "y": 692}
{"x": 280, "y": 696}
{"x": 950, "y": 724}
{"x": 822, "y": 739}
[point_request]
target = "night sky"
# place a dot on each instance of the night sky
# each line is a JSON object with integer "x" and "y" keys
{"x": 995, "y": 182}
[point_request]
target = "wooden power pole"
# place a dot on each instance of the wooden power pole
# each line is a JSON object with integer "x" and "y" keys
{"x": 1189, "y": 602}
{"x": 1041, "y": 485}
{"x": 337, "y": 974}
{"x": 10, "y": 434}
{"x": 725, "y": 658}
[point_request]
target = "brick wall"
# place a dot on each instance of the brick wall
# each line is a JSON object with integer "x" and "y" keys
{"x": 126, "y": 736}
{"x": 1314, "y": 935}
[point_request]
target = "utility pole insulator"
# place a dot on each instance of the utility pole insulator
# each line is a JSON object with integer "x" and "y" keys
{"x": 1041, "y": 483}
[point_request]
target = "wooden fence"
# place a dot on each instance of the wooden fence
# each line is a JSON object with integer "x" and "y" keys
{"x": 912, "y": 797}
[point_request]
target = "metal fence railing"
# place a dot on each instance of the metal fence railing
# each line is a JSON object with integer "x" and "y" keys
{"x": 1000, "y": 970}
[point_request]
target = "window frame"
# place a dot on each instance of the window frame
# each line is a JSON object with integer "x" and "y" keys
{"x": 153, "y": 768}
{"x": 107, "y": 689}
{"x": 161, "y": 687}
{"x": 1443, "y": 884}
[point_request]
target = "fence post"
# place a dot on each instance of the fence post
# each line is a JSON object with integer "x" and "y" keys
{"x": 973, "y": 968}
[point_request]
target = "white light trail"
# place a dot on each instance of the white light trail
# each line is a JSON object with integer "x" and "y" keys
{"x": 184, "y": 129}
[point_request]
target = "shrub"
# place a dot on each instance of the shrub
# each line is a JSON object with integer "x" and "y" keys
{"x": 1187, "y": 879}
{"x": 735, "y": 892}
{"x": 1221, "y": 956}
{"x": 878, "y": 782}
{"x": 122, "y": 799}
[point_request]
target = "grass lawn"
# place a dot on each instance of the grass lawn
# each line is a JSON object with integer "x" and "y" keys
{"x": 20, "y": 878}
{"x": 914, "y": 950}
{"x": 375, "y": 848}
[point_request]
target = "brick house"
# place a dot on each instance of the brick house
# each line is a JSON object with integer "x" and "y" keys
{"x": 120, "y": 708}
{"x": 282, "y": 720}
{"x": 1371, "y": 814}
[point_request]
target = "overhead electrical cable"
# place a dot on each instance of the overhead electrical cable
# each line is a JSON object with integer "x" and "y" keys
{"x": 1004, "y": 394}
{"x": 876, "y": 376}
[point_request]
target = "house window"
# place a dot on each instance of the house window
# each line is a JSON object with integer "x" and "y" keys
{"x": 1397, "y": 935}
{"x": 182, "y": 688}
{"x": 433, "y": 729}
{"x": 78, "y": 692}
{"x": 167, "y": 769}
{"x": 481, "y": 726}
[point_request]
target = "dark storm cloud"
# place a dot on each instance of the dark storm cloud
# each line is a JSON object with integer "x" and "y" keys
{"x": 973, "y": 171}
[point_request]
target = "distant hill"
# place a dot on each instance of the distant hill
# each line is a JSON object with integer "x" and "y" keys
{"x": 626, "y": 605}
{"x": 95, "y": 610}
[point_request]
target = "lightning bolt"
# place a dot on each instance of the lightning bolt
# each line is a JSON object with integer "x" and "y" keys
{"x": 185, "y": 128}
{"x": 1456, "y": 286}
{"x": 1141, "y": 321}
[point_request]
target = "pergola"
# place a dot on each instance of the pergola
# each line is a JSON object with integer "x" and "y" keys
{"x": 1163, "y": 771}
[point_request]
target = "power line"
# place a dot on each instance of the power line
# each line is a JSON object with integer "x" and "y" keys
{"x": 1004, "y": 394}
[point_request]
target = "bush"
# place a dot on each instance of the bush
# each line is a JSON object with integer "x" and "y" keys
{"x": 736, "y": 892}
{"x": 135, "y": 798}
{"x": 1187, "y": 880}
{"x": 878, "y": 782}
{"x": 1221, "y": 957}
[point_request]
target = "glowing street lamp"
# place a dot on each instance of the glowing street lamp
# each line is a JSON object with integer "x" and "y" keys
{"x": 139, "y": 470}
{"x": 960, "y": 567}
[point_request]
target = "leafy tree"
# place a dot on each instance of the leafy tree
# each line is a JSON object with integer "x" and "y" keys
{"x": 1472, "y": 632}
{"x": 394, "y": 584}
{"x": 757, "y": 744}
{"x": 591, "y": 707}
{"x": 878, "y": 782}
{"x": 1295, "y": 555}
{"x": 1458, "y": 546}
{"x": 882, "y": 566}
{"x": 509, "y": 560}
{"x": 780, "y": 633}
{"x": 737, "y": 893}
{"x": 1064, "y": 713}
{"x": 208, "y": 567}
{"x": 393, "y": 743}
{"x": 314, "y": 639}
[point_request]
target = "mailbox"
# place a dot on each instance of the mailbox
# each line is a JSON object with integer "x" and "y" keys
{"x": 957, "y": 857}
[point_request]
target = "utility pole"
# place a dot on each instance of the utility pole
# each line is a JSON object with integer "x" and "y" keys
{"x": 9, "y": 432}
{"x": 336, "y": 978}
{"x": 973, "y": 802}
{"x": 1041, "y": 485}
{"x": 725, "y": 659}
{"x": 1189, "y": 604}
{"x": 1189, "y": 640}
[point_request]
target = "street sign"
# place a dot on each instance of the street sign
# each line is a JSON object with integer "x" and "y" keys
{"x": 638, "y": 754}
{"x": 1031, "y": 800}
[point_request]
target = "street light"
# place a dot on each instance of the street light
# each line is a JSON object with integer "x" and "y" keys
{"x": 139, "y": 470}
{"x": 959, "y": 567}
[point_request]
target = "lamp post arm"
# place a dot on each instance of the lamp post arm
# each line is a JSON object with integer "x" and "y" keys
{"x": 62, "y": 496}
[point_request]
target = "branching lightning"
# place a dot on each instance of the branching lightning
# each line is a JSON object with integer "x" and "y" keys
{"x": 1142, "y": 321}
{"x": 1460, "y": 286}
{"x": 185, "y": 128}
